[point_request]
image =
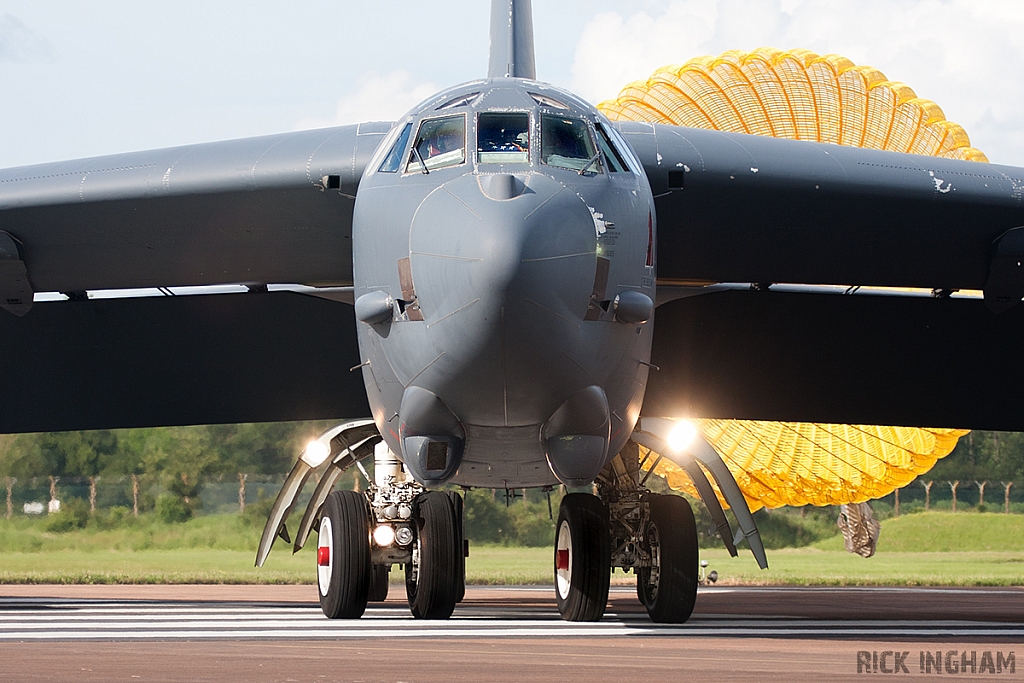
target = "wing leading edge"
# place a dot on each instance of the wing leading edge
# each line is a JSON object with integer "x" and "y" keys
{"x": 747, "y": 208}
{"x": 275, "y": 209}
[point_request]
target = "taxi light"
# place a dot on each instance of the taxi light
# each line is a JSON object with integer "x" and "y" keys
{"x": 315, "y": 454}
{"x": 681, "y": 436}
{"x": 384, "y": 535}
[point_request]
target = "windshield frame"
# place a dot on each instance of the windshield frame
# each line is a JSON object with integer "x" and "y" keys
{"x": 413, "y": 165}
{"x": 593, "y": 163}
{"x": 530, "y": 138}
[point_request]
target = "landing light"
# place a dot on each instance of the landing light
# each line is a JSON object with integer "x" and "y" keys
{"x": 681, "y": 436}
{"x": 384, "y": 535}
{"x": 315, "y": 454}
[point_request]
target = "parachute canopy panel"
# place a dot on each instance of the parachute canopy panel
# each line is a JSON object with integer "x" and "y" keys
{"x": 793, "y": 94}
{"x": 802, "y": 463}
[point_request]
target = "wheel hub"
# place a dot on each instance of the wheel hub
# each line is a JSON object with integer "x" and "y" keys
{"x": 325, "y": 551}
{"x": 563, "y": 560}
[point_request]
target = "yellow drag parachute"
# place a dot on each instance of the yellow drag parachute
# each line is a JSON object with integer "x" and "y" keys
{"x": 797, "y": 95}
{"x": 803, "y": 96}
{"x": 801, "y": 463}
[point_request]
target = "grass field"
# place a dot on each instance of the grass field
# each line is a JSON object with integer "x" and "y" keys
{"x": 941, "y": 532}
{"x": 810, "y": 566}
{"x": 502, "y": 565}
{"x": 924, "y": 549}
{"x": 486, "y": 565}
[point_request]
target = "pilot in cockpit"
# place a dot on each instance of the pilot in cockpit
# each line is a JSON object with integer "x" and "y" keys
{"x": 503, "y": 137}
{"x": 446, "y": 141}
{"x": 442, "y": 142}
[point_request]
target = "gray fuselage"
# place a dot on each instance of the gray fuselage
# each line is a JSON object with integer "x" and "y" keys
{"x": 504, "y": 267}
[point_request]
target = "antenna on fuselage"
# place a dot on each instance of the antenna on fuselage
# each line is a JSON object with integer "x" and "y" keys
{"x": 512, "y": 40}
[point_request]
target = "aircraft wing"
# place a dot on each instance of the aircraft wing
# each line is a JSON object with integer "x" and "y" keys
{"x": 261, "y": 211}
{"x": 831, "y": 358}
{"x": 258, "y": 210}
{"x": 748, "y": 209}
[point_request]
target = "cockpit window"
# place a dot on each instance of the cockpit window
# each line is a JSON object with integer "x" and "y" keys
{"x": 439, "y": 143}
{"x": 566, "y": 143}
{"x": 460, "y": 101}
{"x": 609, "y": 151}
{"x": 394, "y": 158}
{"x": 546, "y": 101}
{"x": 625, "y": 151}
{"x": 503, "y": 138}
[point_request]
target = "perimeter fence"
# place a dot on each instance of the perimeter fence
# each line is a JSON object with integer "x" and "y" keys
{"x": 233, "y": 493}
{"x": 138, "y": 493}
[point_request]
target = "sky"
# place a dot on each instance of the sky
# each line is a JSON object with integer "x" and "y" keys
{"x": 84, "y": 79}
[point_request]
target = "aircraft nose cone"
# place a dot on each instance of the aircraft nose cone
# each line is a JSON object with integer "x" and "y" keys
{"x": 504, "y": 268}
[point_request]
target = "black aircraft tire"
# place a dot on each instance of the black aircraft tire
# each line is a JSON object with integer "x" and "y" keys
{"x": 432, "y": 586}
{"x": 582, "y": 533}
{"x": 674, "y": 531}
{"x": 344, "y": 583}
{"x": 379, "y": 576}
{"x": 460, "y": 527}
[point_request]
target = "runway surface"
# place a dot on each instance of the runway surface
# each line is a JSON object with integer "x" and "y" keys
{"x": 278, "y": 633}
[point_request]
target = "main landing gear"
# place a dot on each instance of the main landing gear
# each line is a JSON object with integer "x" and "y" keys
{"x": 582, "y": 557}
{"x": 629, "y": 527}
{"x": 361, "y": 536}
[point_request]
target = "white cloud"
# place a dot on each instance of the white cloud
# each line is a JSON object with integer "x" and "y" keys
{"x": 960, "y": 53}
{"x": 19, "y": 43}
{"x": 377, "y": 98}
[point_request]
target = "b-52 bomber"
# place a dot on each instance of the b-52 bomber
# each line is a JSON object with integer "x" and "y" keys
{"x": 476, "y": 285}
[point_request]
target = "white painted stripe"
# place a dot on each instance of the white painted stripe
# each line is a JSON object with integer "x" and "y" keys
{"x": 6, "y": 617}
{"x": 764, "y": 627}
{"x": 573, "y": 631}
{"x": 165, "y": 607}
{"x": 435, "y": 628}
{"x": 58, "y": 620}
{"x": 276, "y": 623}
{"x": 859, "y": 589}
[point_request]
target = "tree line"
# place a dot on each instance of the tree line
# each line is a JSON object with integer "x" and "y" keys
{"x": 178, "y": 459}
{"x": 182, "y": 459}
{"x": 980, "y": 456}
